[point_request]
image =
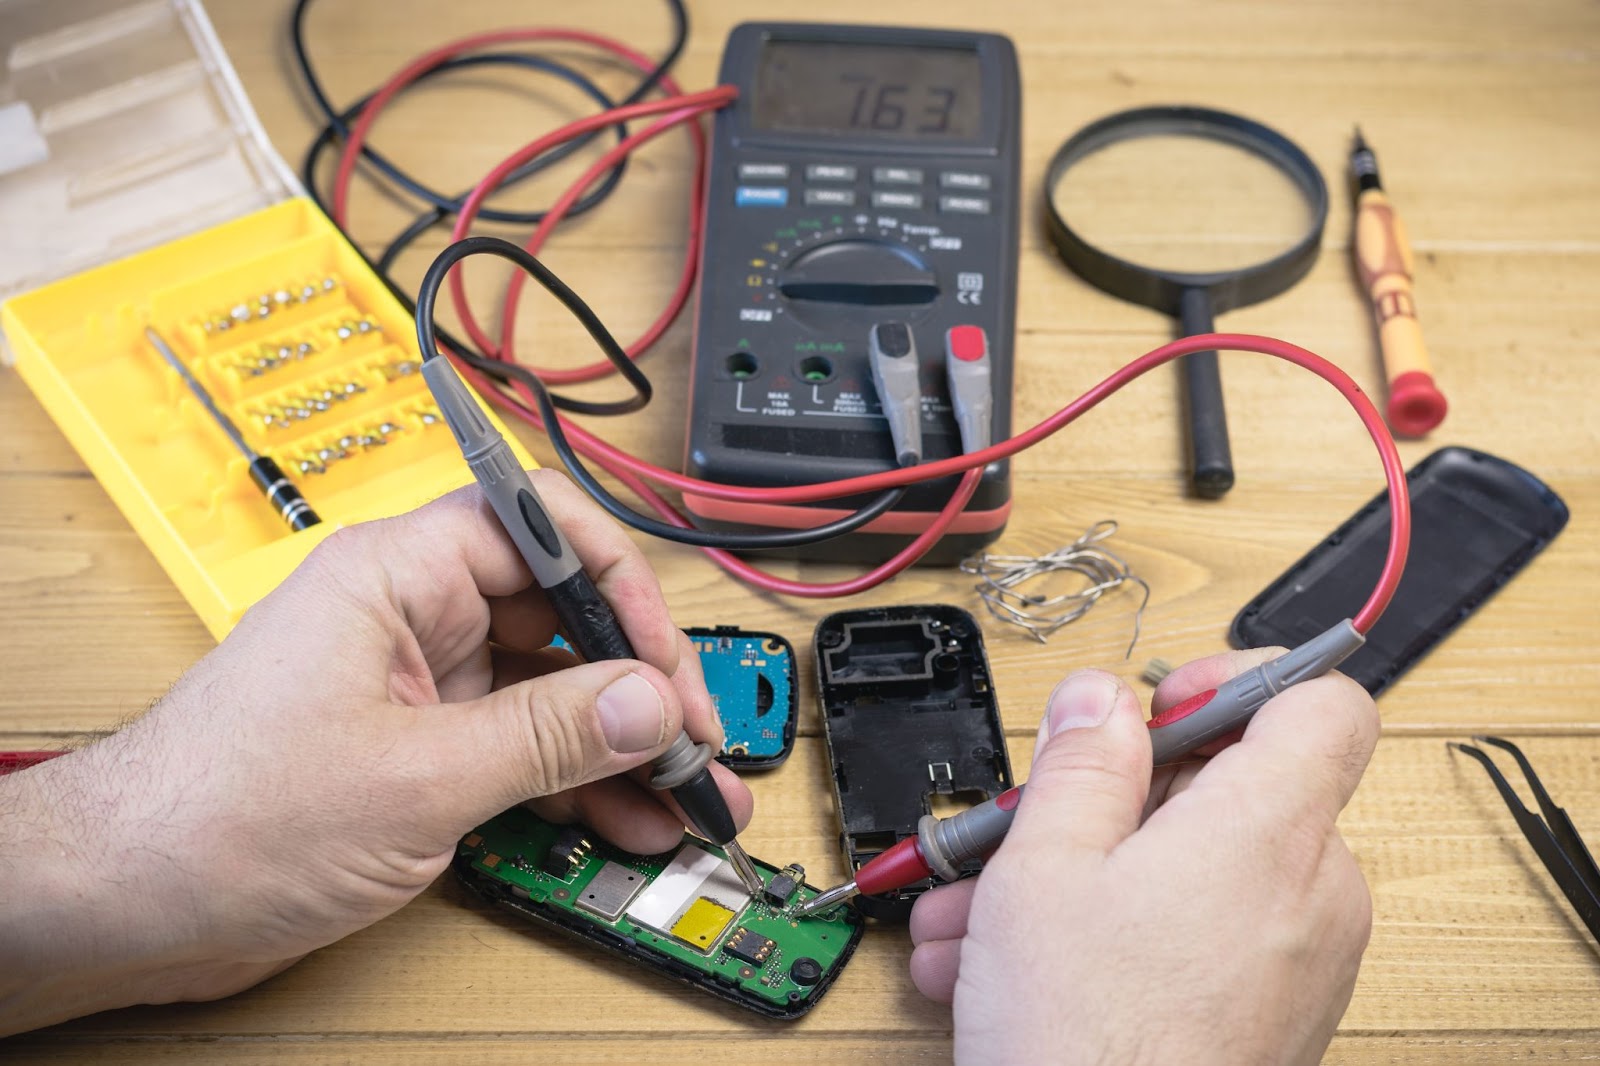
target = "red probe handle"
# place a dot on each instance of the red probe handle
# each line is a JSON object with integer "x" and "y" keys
{"x": 898, "y": 867}
{"x": 968, "y": 835}
{"x": 942, "y": 845}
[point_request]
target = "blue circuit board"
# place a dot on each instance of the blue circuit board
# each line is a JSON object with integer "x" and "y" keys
{"x": 751, "y": 678}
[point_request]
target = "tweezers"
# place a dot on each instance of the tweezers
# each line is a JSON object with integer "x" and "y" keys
{"x": 1554, "y": 838}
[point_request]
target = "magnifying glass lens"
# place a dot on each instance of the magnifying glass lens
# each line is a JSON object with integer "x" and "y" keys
{"x": 1175, "y": 202}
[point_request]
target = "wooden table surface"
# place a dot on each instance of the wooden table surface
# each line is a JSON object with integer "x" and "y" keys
{"x": 1485, "y": 118}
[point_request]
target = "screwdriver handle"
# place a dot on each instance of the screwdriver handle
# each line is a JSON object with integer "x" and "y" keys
{"x": 1383, "y": 258}
{"x": 269, "y": 476}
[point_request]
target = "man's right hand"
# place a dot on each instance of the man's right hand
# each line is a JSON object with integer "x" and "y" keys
{"x": 1210, "y": 915}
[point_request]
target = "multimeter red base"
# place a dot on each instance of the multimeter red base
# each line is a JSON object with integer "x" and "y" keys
{"x": 864, "y": 175}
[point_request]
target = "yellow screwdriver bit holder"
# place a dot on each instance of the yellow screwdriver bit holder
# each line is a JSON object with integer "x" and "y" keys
{"x": 138, "y": 190}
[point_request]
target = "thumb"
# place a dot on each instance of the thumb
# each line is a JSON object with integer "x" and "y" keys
{"x": 1091, "y": 768}
{"x": 555, "y": 732}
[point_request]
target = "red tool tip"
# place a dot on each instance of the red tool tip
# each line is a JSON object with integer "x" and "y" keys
{"x": 1415, "y": 404}
{"x": 898, "y": 867}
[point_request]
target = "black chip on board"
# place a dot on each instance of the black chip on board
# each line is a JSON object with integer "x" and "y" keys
{"x": 750, "y": 947}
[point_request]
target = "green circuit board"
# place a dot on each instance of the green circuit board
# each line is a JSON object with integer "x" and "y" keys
{"x": 682, "y": 912}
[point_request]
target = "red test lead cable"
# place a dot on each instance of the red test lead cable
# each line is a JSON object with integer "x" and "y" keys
{"x": 620, "y": 463}
{"x": 359, "y": 131}
{"x": 615, "y": 459}
{"x": 12, "y": 761}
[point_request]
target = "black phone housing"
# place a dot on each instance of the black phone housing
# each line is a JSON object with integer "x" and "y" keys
{"x": 908, "y": 712}
{"x": 1476, "y": 520}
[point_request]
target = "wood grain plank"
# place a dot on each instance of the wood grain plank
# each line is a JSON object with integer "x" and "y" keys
{"x": 95, "y": 631}
{"x": 1470, "y": 1048}
{"x": 1469, "y": 938}
{"x": 1483, "y": 115}
{"x": 1499, "y": 349}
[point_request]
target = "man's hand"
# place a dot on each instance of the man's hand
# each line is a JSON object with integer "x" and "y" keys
{"x": 1212, "y": 915}
{"x": 313, "y": 773}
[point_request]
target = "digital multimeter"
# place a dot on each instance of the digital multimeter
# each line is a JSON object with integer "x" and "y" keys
{"x": 864, "y": 175}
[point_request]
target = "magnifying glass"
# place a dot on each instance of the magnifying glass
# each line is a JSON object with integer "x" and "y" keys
{"x": 1193, "y": 212}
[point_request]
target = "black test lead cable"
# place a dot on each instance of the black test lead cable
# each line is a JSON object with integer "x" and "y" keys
{"x": 448, "y": 205}
{"x": 506, "y": 373}
{"x": 337, "y": 126}
{"x": 267, "y": 475}
{"x": 381, "y": 269}
{"x": 442, "y": 206}
{"x": 427, "y": 296}
{"x": 329, "y": 134}
{"x": 586, "y": 618}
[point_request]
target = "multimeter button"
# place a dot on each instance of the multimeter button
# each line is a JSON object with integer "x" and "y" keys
{"x": 964, "y": 205}
{"x": 961, "y": 179}
{"x": 911, "y": 200}
{"x": 760, "y": 196}
{"x": 765, "y": 171}
{"x": 896, "y": 176}
{"x": 830, "y": 172}
{"x": 830, "y": 197}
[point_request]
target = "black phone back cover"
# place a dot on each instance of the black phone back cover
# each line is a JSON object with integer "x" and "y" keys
{"x": 1476, "y": 521}
{"x": 908, "y": 712}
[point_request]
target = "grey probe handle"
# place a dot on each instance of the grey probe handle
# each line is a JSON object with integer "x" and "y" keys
{"x": 505, "y": 484}
{"x": 896, "y": 374}
{"x": 1236, "y": 701}
{"x": 946, "y": 843}
{"x": 585, "y": 615}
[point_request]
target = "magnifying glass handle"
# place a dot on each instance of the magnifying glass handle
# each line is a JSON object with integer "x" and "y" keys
{"x": 1210, "y": 457}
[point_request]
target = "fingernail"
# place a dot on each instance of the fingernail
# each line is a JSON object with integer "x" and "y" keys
{"x": 630, "y": 714}
{"x": 1082, "y": 701}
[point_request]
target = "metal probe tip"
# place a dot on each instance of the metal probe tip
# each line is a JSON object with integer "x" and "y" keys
{"x": 743, "y": 867}
{"x": 824, "y": 900}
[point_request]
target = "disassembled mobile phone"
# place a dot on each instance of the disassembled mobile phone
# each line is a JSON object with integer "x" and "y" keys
{"x": 752, "y": 682}
{"x": 1476, "y": 520}
{"x": 909, "y": 713}
{"x": 684, "y": 914}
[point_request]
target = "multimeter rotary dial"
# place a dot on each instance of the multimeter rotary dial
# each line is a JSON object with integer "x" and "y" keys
{"x": 863, "y": 271}
{"x": 858, "y": 269}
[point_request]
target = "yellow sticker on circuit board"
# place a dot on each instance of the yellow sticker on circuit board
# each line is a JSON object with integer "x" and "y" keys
{"x": 703, "y": 923}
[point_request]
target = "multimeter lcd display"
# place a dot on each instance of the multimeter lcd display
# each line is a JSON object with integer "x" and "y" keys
{"x": 868, "y": 89}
